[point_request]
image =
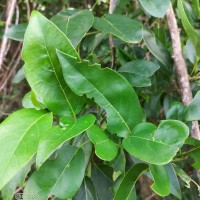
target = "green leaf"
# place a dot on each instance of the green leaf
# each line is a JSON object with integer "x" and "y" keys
{"x": 42, "y": 68}
{"x": 161, "y": 184}
{"x": 193, "y": 110}
{"x": 102, "y": 179}
{"x": 123, "y": 108}
{"x": 156, "y": 48}
{"x": 127, "y": 186}
{"x": 57, "y": 136}
{"x": 158, "y": 146}
{"x": 105, "y": 148}
{"x": 185, "y": 177}
{"x": 8, "y": 190}
{"x": 16, "y": 32}
{"x": 192, "y": 33}
{"x": 194, "y": 152}
{"x": 137, "y": 72}
{"x": 86, "y": 191}
{"x": 22, "y": 131}
{"x": 61, "y": 177}
{"x": 123, "y": 27}
{"x": 74, "y": 26}
{"x": 156, "y": 8}
{"x": 174, "y": 183}
{"x": 19, "y": 76}
{"x": 176, "y": 111}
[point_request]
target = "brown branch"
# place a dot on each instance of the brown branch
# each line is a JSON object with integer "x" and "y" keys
{"x": 181, "y": 68}
{"x": 4, "y": 42}
{"x": 113, "y": 4}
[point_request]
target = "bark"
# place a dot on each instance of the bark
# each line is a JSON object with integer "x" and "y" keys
{"x": 181, "y": 69}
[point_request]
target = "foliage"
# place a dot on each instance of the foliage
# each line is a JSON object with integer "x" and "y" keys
{"x": 90, "y": 131}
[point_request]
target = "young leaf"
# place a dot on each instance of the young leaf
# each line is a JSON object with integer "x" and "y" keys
{"x": 193, "y": 110}
{"x": 161, "y": 183}
{"x": 155, "y": 8}
{"x": 105, "y": 148}
{"x": 137, "y": 72}
{"x": 22, "y": 131}
{"x": 160, "y": 147}
{"x": 123, "y": 108}
{"x": 123, "y": 27}
{"x": 57, "y": 136}
{"x": 192, "y": 33}
{"x": 42, "y": 68}
{"x": 127, "y": 185}
{"x": 61, "y": 177}
{"x": 74, "y": 26}
{"x": 86, "y": 191}
{"x": 16, "y": 32}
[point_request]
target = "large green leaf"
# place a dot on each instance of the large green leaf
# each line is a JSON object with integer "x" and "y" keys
{"x": 105, "y": 148}
{"x": 42, "y": 68}
{"x": 75, "y": 25}
{"x": 127, "y": 186}
{"x": 19, "y": 138}
{"x": 123, "y": 27}
{"x": 86, "y": 191}
{"x": 61, "y": 177}
{"x": 57, "y": 136}
{"x": 137, "y": 72}
{"x": 16, "y": 32}
{"x": 192, "y": 33}
{"x": 158, "y": 146}
{"x": 193, "y": 110}
{"x": 123, "y": 108}
{"x": 156, "y": 8}
{"x": 161, "y": 183}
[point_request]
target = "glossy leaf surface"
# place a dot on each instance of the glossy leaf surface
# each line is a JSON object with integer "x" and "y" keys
{"x": 138, "y": 72}
{"x": 123, "y": 109}
{"x": 123, "y": 27}
{"x": 61, "y": 177}
{"x": 105, "y": 148}
{"x": 159, "y": 145}
{"x": 22, "y": 131}
{"x": 128, "y": 182}
{"x": 74, "y": 26}
{"x": 42, "y": 68}
{"x": 156, "y": 8}
{"x": 161, "y": 183}
{"x": 57, "y": 136}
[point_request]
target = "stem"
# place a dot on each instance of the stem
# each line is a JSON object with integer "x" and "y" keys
{"x": 11, "y": 8}
{"x": 113, "y": 4}
{"x": 181, "y": 69}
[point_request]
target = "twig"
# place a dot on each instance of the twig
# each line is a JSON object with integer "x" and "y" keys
{"x": 151, "y": 196}
{"x": 28, "y": 13}
{"x": 181, "y": 69}
{"x": 8, "y": 23}
{"x": 113, "y": 4}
